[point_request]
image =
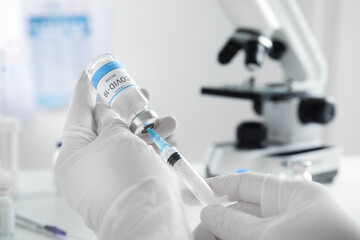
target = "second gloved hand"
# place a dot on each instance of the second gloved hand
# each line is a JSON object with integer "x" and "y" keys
{"x": 271, "y": 208}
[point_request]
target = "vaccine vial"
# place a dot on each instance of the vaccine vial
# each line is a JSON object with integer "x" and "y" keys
{"x": 121, "y": 93}
{"x": 7, "y": 209}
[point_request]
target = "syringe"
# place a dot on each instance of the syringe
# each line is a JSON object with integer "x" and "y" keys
{"x": 191, "y": 178}
{"x": 49, "y": 230}
{"x": 31, "y": 224}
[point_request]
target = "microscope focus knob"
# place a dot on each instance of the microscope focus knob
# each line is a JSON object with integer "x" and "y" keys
{"x": 278, "y": 49}
{"x": 316, "y": 110}
{"x": 251, "y": 135}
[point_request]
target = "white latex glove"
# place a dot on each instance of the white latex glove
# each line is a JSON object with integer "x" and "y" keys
{"x": 117, "y": 183}
{"x": 274, "y": 209}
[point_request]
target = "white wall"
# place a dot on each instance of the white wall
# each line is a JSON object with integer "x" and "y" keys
{"x": 38, "y": 138}
{"x": 170, "y": 48}
{"x": 345, "y": 78}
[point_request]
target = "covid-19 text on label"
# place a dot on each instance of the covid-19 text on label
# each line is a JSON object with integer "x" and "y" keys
{"x": 114, "y": 84}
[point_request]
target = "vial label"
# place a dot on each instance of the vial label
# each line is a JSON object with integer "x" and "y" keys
{"x": 113, "y": 83}
{"x": 7, "y": 219}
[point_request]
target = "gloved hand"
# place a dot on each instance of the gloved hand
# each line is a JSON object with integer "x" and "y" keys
{"x": 271, "y": 208}
{"x": 117, "y": 183}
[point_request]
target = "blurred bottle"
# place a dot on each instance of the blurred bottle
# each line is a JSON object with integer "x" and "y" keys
{"x": 7, "y": 209}
{"x": 9, "y": 149}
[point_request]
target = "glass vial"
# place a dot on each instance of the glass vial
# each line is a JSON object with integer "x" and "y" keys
{"x": 299, "y": 170}
{"x": 120, "y": 92}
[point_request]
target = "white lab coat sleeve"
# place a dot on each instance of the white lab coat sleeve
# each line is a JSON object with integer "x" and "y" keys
{"x": 136, "y": 215}
{"x": 122, "y": 188}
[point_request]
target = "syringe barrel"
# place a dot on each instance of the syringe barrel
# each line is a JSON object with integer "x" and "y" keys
{"x": 196, "y": 183}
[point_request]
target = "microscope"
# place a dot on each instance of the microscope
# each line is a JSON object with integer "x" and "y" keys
{"x": 287, "y": 141}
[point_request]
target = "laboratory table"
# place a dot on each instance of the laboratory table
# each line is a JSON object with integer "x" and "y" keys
{"x": 39, "y": 200}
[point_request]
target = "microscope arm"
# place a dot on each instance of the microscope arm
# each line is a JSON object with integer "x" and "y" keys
{"x": 303, "y": 61}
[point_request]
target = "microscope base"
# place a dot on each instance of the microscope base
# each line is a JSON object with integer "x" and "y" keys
{"x": 225, "y": 158}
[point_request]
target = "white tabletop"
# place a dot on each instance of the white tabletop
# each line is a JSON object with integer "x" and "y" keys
{"x": 39, "y": 201}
